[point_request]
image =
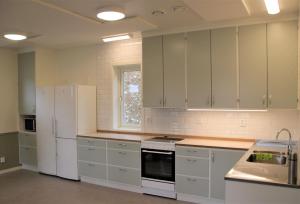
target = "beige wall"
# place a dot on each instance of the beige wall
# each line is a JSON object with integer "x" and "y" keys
{"x": 8, "y": 91}
{"x": 76, "y": 65}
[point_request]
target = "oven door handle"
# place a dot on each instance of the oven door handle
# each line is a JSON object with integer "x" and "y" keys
{"x": 157, "y": 152}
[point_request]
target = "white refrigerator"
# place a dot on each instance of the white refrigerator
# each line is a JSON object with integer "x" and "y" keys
{"x": 62, "y": 113}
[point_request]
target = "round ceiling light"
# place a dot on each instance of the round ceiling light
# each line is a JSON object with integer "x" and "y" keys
{"x": 15, "y": 37}
{"x": 111, "y": 14}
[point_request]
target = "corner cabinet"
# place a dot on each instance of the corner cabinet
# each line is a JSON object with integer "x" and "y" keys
{"x": 26, "y": 66}
{"x": 282, "y": 64}
{"x": 153, "y": 81}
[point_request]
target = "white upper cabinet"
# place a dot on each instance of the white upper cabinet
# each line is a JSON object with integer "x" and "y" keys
{"x": 153, "y": 72}
{"x": 224, "y": 68}
{"x": 174, "y": 70}
{"x": 282, "y": 64}
{"x": 198, "y": 70}
{"x": 253, "y": 66}
{"x": 26, "y": 66}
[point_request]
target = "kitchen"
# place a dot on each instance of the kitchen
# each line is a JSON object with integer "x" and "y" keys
{"x": 206, "y": 74}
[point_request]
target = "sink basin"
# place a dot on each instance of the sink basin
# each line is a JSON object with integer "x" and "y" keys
{"x": 268, "y": 157}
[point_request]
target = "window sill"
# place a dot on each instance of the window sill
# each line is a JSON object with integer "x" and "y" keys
{"x": 128, "y": 129}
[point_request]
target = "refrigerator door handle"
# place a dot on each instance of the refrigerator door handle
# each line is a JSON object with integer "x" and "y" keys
{"x": 53, "y": 126}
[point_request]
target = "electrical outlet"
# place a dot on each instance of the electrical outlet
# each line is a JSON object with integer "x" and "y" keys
{"x": 243, "y": 123}
{"x": 2, "y": 160}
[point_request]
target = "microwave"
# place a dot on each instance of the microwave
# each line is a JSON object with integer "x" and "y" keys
{"x": 29, "y": 124}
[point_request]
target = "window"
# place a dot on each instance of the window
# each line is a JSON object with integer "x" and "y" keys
{"x": 130, "y": 97}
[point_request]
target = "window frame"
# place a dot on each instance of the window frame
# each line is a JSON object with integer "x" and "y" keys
{"x": 121, "y": 71}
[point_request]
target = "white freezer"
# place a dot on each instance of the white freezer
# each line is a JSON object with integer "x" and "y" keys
{"x": 67, "y": 158}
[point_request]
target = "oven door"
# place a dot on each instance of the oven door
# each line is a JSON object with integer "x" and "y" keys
{"x": 158, "y": 165}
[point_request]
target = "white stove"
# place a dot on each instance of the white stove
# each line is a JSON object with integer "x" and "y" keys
{"x": 158, "y": 166}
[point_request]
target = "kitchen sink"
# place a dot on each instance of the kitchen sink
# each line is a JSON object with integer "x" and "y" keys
{"x": 268, "y": 157}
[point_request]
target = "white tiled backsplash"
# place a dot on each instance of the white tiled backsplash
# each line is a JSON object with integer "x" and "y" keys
{"x": 206, "y": 123}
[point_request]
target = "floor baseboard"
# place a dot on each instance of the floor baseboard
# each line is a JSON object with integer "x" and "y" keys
{"x": 4, "y": 171}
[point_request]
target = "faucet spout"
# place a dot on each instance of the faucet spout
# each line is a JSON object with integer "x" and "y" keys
{"x": 289, "y": 147}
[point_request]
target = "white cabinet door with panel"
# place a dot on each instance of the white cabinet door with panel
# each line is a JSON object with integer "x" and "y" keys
{"x": 26, "y": 64}
{"x": 253, "y": 66}
{"x": 224, "y": 68}
{"x": 174, "y": 70}
{"x": 153, "y": 72}
{"x": 221, "y": 162}
{"x": 198, "y": 69}
{"x": 282, "y": 64}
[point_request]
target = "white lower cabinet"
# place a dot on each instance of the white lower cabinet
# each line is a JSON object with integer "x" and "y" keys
{"x": 109, "y": 162}
{"x": 27, "y": 150}
{"x": 200, "y": 173}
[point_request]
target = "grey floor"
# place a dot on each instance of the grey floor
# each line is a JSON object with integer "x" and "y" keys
{"x": 25, "y": 187}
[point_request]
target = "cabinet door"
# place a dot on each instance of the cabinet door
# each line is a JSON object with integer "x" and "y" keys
{"x": 26, "y": 64}
{"x": 282, "y": 64}
{"x": 198, "y": 70}
{"x": 174, "y": 70}
{"x": 152, "y": 72}
{"x": 221, "y": 162}
{"x": 224, "y": 68}
{"x": 253, "y": 66}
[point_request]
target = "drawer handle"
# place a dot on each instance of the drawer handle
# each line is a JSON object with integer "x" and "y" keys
{"x": 91, "y": 149}
{"x": 122, "y": 170}
{"x": 191, "y": 160}
{"x": 191, "y": 180}
{"x": 91, "y": 142}
{"x": 192, "y": 151}
{"x": 91, "y": 165}
{"x": 122, "y": 153}
{"x": 122, "y": 144}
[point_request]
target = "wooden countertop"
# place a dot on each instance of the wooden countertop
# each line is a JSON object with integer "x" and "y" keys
{"x": 195, "y": 141}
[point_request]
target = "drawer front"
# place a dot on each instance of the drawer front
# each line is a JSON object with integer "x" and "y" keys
{"x": 124, "y": 175}
{"x": 27, "y": 139}
{"x": 192, "y": 166}
{"x": 132, "y": 146}
{"x": 91, "y": 170}
{"x": 91, "y": 142}
{"x": 124, "y": 158}
{"x": 192, "y": 151}
{"x": 193, "y": 186}
{"x": 93, "y": 154}
{"x": 28, "y": 156}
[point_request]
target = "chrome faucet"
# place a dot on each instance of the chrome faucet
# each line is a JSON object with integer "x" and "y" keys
{"x": 290, "y": 148}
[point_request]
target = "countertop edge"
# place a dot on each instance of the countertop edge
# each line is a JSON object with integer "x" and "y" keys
{"x": 262, "y": 182}
{"x": 216, "y": 147}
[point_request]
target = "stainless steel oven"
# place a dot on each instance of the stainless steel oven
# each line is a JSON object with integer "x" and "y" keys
{"x": 158, "y": 165}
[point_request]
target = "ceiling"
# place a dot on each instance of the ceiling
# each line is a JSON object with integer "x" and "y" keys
{"x": 66, "y": 23}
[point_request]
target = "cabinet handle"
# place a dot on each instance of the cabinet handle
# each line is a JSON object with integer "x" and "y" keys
{"x": 122, "y": 153}
{"x": 122, "y": 170}
{"x": 213, "y": 101}
{"x": 191, "y": 180}
{"x": 270, "y": 100}
{"x": 212, "y": 157}
{"x": 192, "y": 151}
{"x": 122, "y": 145}
{"x": 91, "y": 149}
{"x": 264, "y": 100}
{"x": 191, "y": 160}
{"x": 91, "y": 165}
{"x": 160, "y": 101}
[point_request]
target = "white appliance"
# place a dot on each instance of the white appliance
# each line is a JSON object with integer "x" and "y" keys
{"x": 62, "y": 113}
{"x": 158, "y": 166}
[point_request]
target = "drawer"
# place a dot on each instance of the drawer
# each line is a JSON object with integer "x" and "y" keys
{"x": 26, "y": 139}
{"x": 124, "y": 158}
{"x": 133, "y": 146}
{"x": 92, "y": 170}
{"x": 192, "y": 151}
{"x": 124, "y": 175}
{"x": 91, "y": 142}
{"x": 192, "y": 185}
{"x": 192, "y": 166}
{"x": 94, "y": 154}
{"x": 28, "y": 156}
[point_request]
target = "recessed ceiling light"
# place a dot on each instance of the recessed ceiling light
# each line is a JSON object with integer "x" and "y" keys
{"x": 111, "y": 14}
{"x": 15, "y": 37}
{"x": 272, "y": 6}
{"x": 116, "y": 37}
